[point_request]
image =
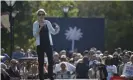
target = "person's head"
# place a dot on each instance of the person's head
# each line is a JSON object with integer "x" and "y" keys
{"x": 131, "y": 59}
{"x": 118, "y": 50}
{"x": 18, "y": 48}
{"x": 7, "y": 61}
{"x": 41, "y": 14}
{"x": 63, "y": 58}
{"x": 115, "y": 55}
{"x": 62, "y": 52}
{"x": 34, "y": 53}
{"x": 124, "y": 51}
{"x": 108, "y": 60}
{"x": 85, "y": 52}
{"x": 94, "y": 57}
{"x": 126, "y": 58}
{"x": 127, "y": 53}
{"x": 91, "y": 53}
{"x": 93, "y": 48}
{"x": 85, "y": 59}
{"x": 130, "y": 53}
{"x": 74, "y": 55}
{"x": 98, "y": 52}
{"x": 13, "y": 63}
{"x": 22, "y": 50}
{"x": 78, "y": 56}
{"x": 28, "y": 50}
{"x": 106, "y": 53}
{"x": 71, "y": 60}
{"x": 55, "y": 56}
{"x": 63, "y": 66}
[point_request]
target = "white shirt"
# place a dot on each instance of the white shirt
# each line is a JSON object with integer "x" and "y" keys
{"x": 50, "y": 28}
{"x": 63, "y": 75}
{"x": 111, "y": 70}
{"x": 69, "y": 67}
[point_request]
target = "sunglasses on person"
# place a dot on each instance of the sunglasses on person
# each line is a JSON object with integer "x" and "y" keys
{"x": 41, "y": 14}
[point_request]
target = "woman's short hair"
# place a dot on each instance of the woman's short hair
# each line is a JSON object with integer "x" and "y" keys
{"x": 41, "y": 10}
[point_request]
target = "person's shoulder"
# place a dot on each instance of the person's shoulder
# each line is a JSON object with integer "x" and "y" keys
{"x": 6, "y": 54}
{"x": 35, "y": 22}
{"x": 129, "y": 63}
{"x": 47, "y": 22}
{"x": 57, "y": 65}
{"x": 80, "y": 64}
{"x": 68, "y": 63}
{"x": 113, "y": 66}
{"x": 103, "y": 65}
{"x": 121, "y": 65}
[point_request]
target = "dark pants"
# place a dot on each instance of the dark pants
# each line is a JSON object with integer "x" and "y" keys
{"x": 49, "y": 53}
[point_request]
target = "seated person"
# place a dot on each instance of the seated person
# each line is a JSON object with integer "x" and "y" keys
{"x": 56, "y": 58}
{"x": 70, "y": 67}
{"x": 13, "y": 69}
{"x": 98, "y": 71}
{"x": 82, "y": 69}
{"x": 33, "y": 70}
{"x": 63, "y": 73}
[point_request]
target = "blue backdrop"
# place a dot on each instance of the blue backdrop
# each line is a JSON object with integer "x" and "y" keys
{"x": 92, "y": 29}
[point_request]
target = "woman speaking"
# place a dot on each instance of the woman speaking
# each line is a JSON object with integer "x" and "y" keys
{"x": 42, "y": 30}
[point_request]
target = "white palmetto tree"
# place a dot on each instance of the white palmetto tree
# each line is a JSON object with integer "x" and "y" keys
{"x": 73, "y": 34}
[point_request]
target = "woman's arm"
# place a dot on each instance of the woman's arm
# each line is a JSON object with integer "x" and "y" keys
{"x": 51, "y": 29}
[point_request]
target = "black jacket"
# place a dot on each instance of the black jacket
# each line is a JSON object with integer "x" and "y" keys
{"x": 82, "y": 71}
{"x": 102, "y": 68}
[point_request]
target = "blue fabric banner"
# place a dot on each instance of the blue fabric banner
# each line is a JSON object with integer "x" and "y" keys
{"x": 88, "y": 32}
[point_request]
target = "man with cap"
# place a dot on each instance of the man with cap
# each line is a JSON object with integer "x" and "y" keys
{"x": 42, "y": 30}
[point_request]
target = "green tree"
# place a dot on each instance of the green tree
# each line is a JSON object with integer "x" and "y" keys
{"x": 118, "y": 21}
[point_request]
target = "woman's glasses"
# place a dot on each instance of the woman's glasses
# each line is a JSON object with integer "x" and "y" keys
{"x": 41, "y": 14}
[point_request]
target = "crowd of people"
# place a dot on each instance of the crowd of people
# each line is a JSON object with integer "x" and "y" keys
{"x": 91, "y": 64}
